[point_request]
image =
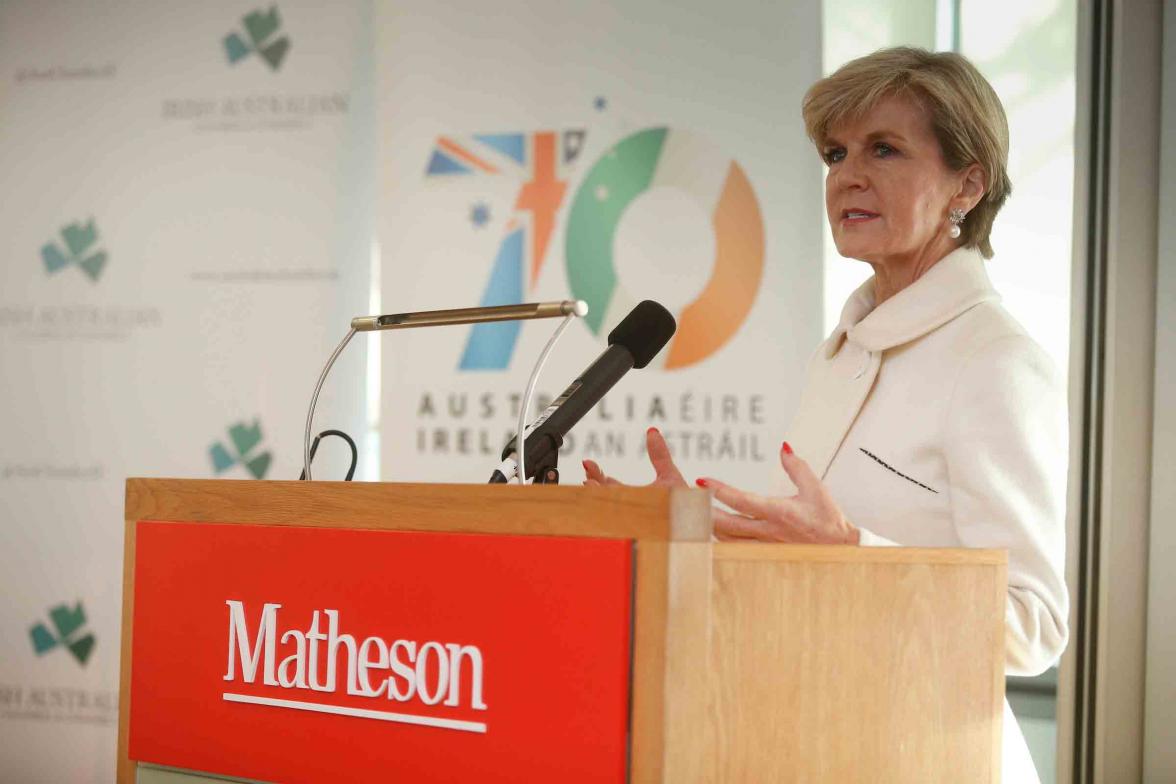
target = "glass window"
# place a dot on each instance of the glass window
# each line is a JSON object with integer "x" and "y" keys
{"x": 1027, "y": 50}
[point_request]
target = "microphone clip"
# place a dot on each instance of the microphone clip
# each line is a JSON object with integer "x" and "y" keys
{"x": 547, "y": 472}
{"x": 547, "y": 467}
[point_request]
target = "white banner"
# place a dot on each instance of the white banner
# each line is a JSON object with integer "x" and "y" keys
{"x": 188, "y": 195}
{"x": 612, "y": 154}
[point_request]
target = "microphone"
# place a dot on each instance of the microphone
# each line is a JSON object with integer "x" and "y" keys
{"x": 632, "y": 344}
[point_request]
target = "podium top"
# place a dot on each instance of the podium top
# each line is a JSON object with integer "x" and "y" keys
{"x": 643, "y": 513}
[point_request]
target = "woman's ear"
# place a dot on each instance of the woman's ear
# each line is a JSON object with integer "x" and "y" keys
{"x": 973, "y": 186}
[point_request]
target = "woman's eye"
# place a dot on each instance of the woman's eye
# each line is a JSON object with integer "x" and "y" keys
{"x": 883, "y": 150}
{"x": 833, "y": 154}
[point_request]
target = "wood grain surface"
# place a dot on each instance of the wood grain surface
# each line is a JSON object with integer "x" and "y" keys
{"x": 857, "y": 664}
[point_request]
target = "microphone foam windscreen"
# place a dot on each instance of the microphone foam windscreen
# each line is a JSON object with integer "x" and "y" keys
{"x": 644, "y": 332}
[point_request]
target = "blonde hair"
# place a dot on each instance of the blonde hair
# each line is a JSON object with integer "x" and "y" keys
{"x": 966, "y": 115}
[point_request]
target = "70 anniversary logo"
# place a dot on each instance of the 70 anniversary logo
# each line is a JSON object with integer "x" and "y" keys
{"x": 654, "y": 157}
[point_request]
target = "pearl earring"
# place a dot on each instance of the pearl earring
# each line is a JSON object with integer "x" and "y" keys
{"x": 955, "y": 218}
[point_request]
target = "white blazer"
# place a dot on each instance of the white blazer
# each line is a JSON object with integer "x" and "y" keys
{"x": 936, "y": 421}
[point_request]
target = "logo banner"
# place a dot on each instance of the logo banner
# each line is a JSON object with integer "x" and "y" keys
{"x": 189, "y": 232}
{"x": 630, "y": 166}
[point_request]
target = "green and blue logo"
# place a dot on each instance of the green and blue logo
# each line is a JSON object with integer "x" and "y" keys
{"x": 244, "y": 440}
{"x": 68, "y": 630}
{"x": 261, "y": 27}
{"x": 79, "y": 249}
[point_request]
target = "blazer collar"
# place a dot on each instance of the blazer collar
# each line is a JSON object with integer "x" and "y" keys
{"x": 956, "y": 283}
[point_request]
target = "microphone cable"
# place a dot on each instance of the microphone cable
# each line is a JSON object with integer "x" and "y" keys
{"x": 306, "y": 453}
{"x": 314, "y": 448}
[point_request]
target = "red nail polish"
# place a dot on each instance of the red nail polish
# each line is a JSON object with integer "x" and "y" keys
{"x": 651, "y": 430}
{"x": 786, "y": 448}
{"x": 700, "y": 482}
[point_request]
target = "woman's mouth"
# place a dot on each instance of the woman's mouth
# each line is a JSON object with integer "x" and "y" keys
{"x": 857, "y": 216}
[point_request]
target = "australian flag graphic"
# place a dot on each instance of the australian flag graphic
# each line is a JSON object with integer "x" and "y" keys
{"x": 539, "y": 162}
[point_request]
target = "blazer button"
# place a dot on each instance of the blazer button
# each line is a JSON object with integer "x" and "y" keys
{"x": 863, "y": 367}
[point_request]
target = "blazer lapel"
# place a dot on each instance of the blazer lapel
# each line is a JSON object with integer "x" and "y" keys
{"x": 845, "y": 367}
{"x": 837, "y": 388}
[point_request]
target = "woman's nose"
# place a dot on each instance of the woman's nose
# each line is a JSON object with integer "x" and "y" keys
{"x": 849, "y": 174}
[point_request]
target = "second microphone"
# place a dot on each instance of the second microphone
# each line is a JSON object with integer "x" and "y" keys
{"x": 632, "y": 344}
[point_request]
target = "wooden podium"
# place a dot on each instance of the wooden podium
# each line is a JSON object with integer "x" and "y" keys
{"x": 747, "y": 662}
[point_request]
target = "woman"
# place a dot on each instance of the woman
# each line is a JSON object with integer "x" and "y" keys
{"x": 928, "y": 417}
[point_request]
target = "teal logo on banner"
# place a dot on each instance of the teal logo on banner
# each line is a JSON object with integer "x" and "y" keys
{"x": 68, "y": 630}
{"x": 243, "y": 442}
{"x": 79, "y": 249}
{"x": 261, "y": 27}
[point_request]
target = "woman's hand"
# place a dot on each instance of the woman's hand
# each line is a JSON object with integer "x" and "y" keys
{"x": 809, "y": 517}
{"x": 666, "y": 474}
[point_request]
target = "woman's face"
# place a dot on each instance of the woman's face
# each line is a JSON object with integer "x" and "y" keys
{"x": 888, "y": 189}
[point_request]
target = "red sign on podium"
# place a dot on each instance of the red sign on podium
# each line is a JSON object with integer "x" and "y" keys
{"x": 300, "y": 654}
